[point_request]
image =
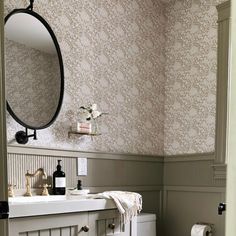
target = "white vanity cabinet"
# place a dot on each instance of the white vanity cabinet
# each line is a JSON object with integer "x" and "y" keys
{"x": 96, "y": 223}
{"x": 53, "y": 225}
{"x": 106, "y": 223}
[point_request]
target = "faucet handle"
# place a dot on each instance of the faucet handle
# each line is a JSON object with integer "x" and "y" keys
{"x": 11, "y": 190}
{"x": 45, "y": 189}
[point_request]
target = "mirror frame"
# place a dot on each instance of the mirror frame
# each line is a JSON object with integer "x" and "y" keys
{"x": 53, "y": 37}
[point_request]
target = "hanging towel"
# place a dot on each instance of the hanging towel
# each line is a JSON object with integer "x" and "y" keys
{"x": 129, "y": 204}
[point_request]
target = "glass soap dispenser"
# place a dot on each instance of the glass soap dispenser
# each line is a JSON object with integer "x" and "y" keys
{"x": 59, "y": 181}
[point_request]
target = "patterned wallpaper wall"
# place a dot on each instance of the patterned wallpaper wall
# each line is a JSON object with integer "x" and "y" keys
{"x": 191, "y": 65}
{"x": 151, "y": 66}
{"x": 113, "y": 55}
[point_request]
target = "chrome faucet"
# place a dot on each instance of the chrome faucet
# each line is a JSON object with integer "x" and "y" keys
{"x": 28, "y": 176}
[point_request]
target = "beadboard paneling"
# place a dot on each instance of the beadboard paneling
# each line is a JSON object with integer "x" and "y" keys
{"x": 19, "y": 164}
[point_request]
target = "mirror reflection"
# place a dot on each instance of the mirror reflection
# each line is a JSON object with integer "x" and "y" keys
{"x": 33, "y": 80}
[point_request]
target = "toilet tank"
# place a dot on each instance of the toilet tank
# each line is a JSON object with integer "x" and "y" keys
{"x": 146, "y": 224}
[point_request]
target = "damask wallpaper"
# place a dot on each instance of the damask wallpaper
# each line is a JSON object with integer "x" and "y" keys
{"x": 113, "y": 54}
{"x": 190, "y": 72}
{"x": 151, "y": 66}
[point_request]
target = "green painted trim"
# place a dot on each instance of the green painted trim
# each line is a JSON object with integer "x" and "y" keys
{"x": 204, "y": 189}
{"x": 19, "y": 149}
{"x": 222, "y": 81}
{"x": 223, "y": 11}
{"x": 190, "y": 157}
{"x": 92, "y": 155}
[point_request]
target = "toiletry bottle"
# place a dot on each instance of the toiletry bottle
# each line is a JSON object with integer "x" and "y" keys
{"x": 59, "y": 181}
{"x": 79, "y": 185}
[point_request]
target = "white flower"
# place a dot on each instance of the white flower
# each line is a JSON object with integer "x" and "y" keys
{"x": 84, "y": 115}
{"x": 91, "y": 112}
{"x": 96, "y": 114}
{"x": 94, "y": 107}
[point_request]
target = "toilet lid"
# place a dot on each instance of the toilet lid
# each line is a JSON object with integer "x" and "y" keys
{"x": 146, "y": 217}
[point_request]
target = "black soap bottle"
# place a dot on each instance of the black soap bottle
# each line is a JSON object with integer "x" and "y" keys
{"x": 59, "y": 181}
{"x": 79, "y": 185}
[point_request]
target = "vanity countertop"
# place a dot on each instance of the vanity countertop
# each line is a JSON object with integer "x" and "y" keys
{"x": 38, "y": 206}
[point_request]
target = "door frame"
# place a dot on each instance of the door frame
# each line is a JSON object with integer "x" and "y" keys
{"x": 3, "y": 145}
{"x": 231, "y": 132}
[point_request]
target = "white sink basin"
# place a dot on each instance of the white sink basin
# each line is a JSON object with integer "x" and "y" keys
{"x": 45, "y": 205}
{"x": 35, "y": 199}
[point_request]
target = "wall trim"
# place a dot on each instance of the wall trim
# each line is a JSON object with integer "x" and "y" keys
{"x": 182, "y": 191}
{"x": 219, "y": 171}
{"x": 222, "y": 81}
{"x": 208, "y": 189}
{"x": 224, "y": 11}
{"x": 17, "y": 149}
{"x": 190, "y": 157}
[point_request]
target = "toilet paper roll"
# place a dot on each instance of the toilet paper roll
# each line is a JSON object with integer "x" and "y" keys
{"x": 200, "y": 230}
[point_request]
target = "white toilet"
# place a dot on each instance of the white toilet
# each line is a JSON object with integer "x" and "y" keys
{"x": 146, "y": 224}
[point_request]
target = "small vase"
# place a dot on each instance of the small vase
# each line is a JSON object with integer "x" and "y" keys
{"x": 94, "y": 126}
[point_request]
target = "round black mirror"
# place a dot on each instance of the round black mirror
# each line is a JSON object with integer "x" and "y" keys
{"x": 34, "y": 70}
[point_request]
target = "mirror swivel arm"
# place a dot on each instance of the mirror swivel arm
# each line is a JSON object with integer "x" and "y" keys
{"x": 31, "y": 6}
{"x": 34, "y": 135}
{"x": 22, "y": 137}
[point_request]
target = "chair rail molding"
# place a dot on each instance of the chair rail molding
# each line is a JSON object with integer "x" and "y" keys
{"x": 192, "y": 157}
{"x": 27, "y": 150}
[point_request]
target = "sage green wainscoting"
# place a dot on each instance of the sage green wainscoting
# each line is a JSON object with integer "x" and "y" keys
{"x": 191, "y": 194}
{"x": 106, "y": 171}
{"x": 181, "y": 189}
